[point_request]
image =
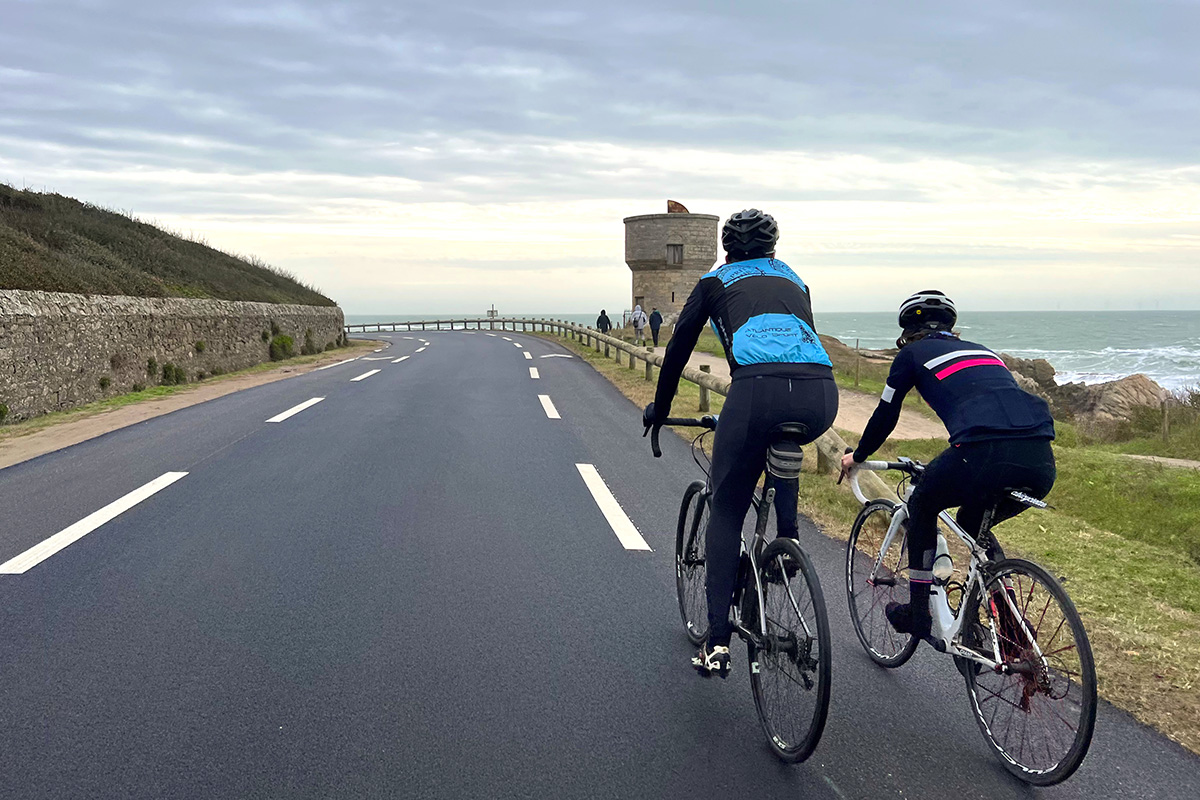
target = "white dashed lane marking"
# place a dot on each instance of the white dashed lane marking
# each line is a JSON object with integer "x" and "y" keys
{"x": 548, "y": 405}
{"x": 533, "y": 373}
{"x": 528, "y": 355}
{"x": 69, "y": 535}
{"x": 294, "y": 410}
{"x": 364, "y": 376}
{"x": 505, "y": 338}
{"x": 338, "y": 364}
{"x": 419, "y": 350}
{"x": 401, "y": 358}
{"x": 618, "y": 520}
{"x": 516, "y": 344}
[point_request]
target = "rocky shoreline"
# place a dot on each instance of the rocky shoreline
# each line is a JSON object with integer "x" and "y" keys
{"x": 1098, "y": 404}
{"x": 1093, "y": 405}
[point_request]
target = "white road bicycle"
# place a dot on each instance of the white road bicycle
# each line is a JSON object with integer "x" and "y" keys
{"x": 1013, "y": 631}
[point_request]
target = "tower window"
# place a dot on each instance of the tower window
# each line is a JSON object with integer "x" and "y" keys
{"x": 674, "y": 254}
{"x": 672, "y": 297}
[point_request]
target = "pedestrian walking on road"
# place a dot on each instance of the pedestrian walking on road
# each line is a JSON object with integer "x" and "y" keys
{"x": 655, "y": 324}
{"x": 639, "y": 320}
{"x": 603, "y": 323}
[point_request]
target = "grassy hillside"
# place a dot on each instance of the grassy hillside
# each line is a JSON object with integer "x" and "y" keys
{"x": 56, "y": 244}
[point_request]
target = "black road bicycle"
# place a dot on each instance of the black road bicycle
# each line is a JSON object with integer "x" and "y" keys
{"x": 778, "y": 608}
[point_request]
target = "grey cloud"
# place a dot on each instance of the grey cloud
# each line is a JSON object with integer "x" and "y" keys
{"x": 299, "y": 85}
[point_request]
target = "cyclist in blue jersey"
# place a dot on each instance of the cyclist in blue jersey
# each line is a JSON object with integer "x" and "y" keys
{"x": 762, "y": 313}
{"x": 999, "y": 438}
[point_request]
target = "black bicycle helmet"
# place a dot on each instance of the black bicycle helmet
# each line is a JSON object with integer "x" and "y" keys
{"x": 928, "y": 308}
{"x": 750, "y": 233}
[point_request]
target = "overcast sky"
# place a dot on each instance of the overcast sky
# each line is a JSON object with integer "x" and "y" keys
{"x": 441, "y": 156}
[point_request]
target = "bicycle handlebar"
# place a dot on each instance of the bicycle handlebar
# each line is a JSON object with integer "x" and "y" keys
{"x": 707, "y": 421}
{"x": 905, "y": 465}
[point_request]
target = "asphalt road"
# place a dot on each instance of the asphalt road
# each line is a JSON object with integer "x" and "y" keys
{"x": 408, "y": 590}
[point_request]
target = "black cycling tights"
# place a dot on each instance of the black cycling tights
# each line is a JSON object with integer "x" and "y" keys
{"x": 971, "y": 477}
{"x": 753, "y": 407}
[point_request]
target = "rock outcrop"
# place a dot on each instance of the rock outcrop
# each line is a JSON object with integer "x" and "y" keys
{"x": 1101, "y": 403}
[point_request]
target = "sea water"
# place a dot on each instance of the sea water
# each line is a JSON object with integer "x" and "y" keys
{"x": 1087, "y": 346}
{"x": 1083, "y": 346}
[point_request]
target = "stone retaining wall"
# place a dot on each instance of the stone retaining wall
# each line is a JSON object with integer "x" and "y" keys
{"x": 56, "y": 350}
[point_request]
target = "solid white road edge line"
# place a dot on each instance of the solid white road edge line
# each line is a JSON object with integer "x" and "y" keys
{"x": 533, "y": 373}
{"x": 617, "y": 519}
{"x": 529, "y": 355}
{"x": 294, "y": 410}
{"x": 548, "y": 405}
{"x": 398, "y": 360}
{"x": 364, "y": 376}
{"x": 40, "y": 552}
{"x": 338, "y": 364}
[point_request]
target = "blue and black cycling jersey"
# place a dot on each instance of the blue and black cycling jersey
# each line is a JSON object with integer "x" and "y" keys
{"x": 762, "y": 313}
{"x": 969, "y": 388}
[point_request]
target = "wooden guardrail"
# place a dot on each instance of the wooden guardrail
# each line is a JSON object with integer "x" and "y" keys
{"x": 829, "y": 445}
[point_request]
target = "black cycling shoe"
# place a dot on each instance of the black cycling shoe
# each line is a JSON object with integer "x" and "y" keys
{"x": 712, "y": 661}
{"x": 905, "y": 621}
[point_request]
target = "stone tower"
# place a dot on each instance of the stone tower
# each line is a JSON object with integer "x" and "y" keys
{"x": 668, "y": 253}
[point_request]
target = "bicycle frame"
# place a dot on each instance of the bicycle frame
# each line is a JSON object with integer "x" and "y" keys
{"x": 947, "y": 625}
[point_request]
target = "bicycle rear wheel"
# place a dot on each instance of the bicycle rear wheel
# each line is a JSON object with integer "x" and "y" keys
{"x": 690, "y": 573}
{"x": 1038, "y": 714}
{"x": 869, "y": 594}
{"x": 790, "y": 673}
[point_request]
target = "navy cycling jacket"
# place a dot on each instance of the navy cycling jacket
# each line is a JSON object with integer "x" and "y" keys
{"x": 968, "y": 387}
{"x": 762, "y": 313}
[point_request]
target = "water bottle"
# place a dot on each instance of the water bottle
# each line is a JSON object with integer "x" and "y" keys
{"x": 943, "y": 565}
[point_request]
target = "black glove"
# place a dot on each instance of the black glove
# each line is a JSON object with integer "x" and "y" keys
{"x": 649, "y": 418}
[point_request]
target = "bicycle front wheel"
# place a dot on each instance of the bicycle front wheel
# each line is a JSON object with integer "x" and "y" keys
{"x": 690, "y": 573}
{"x": 790, "y": 671}
{"x": 1039, "y": 710}
{"x": 876, "y": 576}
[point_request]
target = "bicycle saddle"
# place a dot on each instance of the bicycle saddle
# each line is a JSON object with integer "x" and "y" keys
{"x": 784, "y": 457}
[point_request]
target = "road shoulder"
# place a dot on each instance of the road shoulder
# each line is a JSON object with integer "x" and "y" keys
{"x": 37, "y": 437}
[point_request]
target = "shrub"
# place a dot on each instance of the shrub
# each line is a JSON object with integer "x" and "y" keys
{"x": 200, "y": 346}
{"x": 139, "y": 387}
{"x": 266, "y": 336}
{"x": 201, "y": 375}
{"x": 310, "y": 343}
{"x": 3, "y": 413}
{"x": 282, "y": 347}
{"x": 151, "y": 367}
{"x": 173, "y": 375}
{"x": 216, "y": 371}
{"x": 105, "y": 382}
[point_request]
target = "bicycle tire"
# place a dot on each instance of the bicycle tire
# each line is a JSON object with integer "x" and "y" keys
{"x": 1066, "y": 668}
{"x": 884, "y": 645}
{"x": 790, "y": 682}
{"x": 690, "y": 572}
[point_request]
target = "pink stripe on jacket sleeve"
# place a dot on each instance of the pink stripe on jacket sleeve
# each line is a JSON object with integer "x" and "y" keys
{"x": 974, "y": 362}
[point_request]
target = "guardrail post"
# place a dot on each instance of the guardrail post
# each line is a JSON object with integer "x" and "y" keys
{"x": 632, "y": 358}
{"x": 704, "y": 389}
{"x": 649, "y": 366}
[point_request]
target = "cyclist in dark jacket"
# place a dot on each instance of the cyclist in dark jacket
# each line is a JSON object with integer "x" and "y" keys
{"x": 762, "y": 312}
{"x": 999, "y": 438}
{"x": 603, "y": 323}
